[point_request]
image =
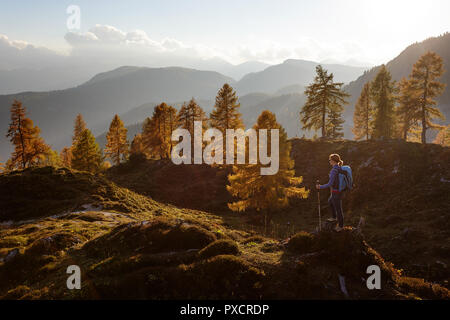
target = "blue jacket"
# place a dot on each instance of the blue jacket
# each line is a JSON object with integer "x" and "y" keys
{"x": 334, "y": 174}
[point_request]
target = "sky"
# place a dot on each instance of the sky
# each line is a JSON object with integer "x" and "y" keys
{"x": 357, "y": 32}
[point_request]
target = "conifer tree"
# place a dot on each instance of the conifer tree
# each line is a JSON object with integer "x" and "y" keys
{"x": 157, "y": 131}
{"x": 408, "y": 111}
{"x": 78, "y": 128}
{"x": 29, "y": 147}
{"x": 443, "y": 137}
{"x": 137, "y": 145}
{"x": 86, "y": 155}
{"x": 363, "y": 115}
{"x": 266, "y": 192}
{"x": 424, "y": 77}
{"x": 414, "y": 133}
{"x": 323, "y": 96}
{"x": 66, "y": 157}
{"x": 335, "y": 122}
{"x": 225, "y": 114}
{"x": 383, "y": 91}
{"x": 50, "y": 158}
{"x": 188, "y": 114}
{"x": 117, "y": 144}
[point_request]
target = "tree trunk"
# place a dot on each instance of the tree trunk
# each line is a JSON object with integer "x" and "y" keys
{"x": 424, "y": 105}
{"x": 367, "y": 118}
{"x": 19, "y": 126}
{"x": 323, "y": 122}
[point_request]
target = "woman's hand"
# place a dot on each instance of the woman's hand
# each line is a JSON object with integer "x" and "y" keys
{"x": 317, "y": 186}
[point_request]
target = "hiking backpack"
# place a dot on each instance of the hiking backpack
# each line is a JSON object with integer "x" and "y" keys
{"x": 345, "y": 178}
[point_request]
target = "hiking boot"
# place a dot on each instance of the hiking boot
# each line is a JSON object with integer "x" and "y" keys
{"x": 337, "y": 229}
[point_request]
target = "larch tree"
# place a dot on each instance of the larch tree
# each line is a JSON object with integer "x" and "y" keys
{"x": 363, "y": 115}
{"x": 157, "y": 131}
{"x": 424, "y": 79}
{"x": 383, "y": 90}
{"x": 266, "y": 193}
{"x": 408, "y": 110}
{"x": 78, "y": 127}
{"x": 117, "y": 143}
{"x": 188, "y": 114}
{"x": 335, "y": 121}
{"x": 443, "y": 137}
{"x": 50, "y": 158}
{"x": 66, "y": 157}
{"x": 29, "y": 147}
{"x": 323, "y": 96}
{"x": 225, "y": 114}
{"x": 137, "y": 145}
{"x": 86, "y": 155}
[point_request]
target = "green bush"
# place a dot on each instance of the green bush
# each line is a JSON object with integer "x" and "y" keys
{"x": 219, "y": 247}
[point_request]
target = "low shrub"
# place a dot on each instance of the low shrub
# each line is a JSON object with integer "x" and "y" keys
{"x": 219, "y": 247}
{"x": 256, "y": 239}
{"x": 302, "y": 242}
{"x": 158, "y": 235}
{"x": 423, "y": 289}
{"x": 227, "y": 277}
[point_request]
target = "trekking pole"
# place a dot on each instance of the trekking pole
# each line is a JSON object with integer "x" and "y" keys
{"x": 318, "y": 201}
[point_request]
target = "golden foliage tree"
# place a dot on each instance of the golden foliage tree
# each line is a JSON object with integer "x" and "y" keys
{"x": 363, "y": 115}
{"x": 443, "y": 137}
{"x": 225, "y": 114}
{"x": 424, "y": 81}
{"x": 383, "y": 90}
{"x": 323, "y": 96}
{"x": 66, "y": 157}
{"x": 188, "y": 114}
{"x": 50, "y": 158}
{"x": 334, "y": 124}
{"x": 137, "y": 145}
{"x": 266, "y": 192}
{"x": 86, "y": 155}
{"x": 29, "y": 147}
{"x": 408, "y": 109}
{"x": 78, "y": 128}
{"x": 157, "y": 131}
{"x": 117, "y": 143}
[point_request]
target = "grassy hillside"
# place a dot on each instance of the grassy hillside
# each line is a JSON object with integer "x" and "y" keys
{"x": 129, "y": 246}
{"x": 401, "y": 191}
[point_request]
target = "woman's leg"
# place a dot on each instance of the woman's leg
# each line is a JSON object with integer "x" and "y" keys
{"x": 332, "y": 206}
{"x": 337, "y": 202}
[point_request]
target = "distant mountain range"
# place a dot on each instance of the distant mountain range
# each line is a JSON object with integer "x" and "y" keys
{"x": 290, "y": 73}
{"x": 132, "y": 93}
{"x": 67, "y": 73}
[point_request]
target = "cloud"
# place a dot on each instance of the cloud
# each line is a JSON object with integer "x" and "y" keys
{"x": 21, "y": 54}
{"x": 110, "y": 37}
{"x": 105, "y": 46}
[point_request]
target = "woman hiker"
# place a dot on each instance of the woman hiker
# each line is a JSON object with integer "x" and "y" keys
{"x": 335, "y": 200}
